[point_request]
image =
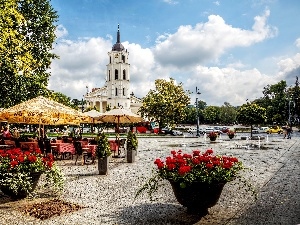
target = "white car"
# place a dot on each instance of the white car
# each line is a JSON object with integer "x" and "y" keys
{"x": 176, "y": 132}
{"x": 263, "y": 129}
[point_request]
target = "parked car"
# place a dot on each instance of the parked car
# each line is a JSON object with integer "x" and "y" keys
{"x": 166, "y": 130}
{"x": 274, "y": 129}
{"x": 225, "y": 130}
{"x": 193, "y": 130}
{"x": 176, "y": 132}
{"x": 262, "y": 129}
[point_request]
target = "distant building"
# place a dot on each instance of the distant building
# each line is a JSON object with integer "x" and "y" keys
{"x": 116, "y": 92}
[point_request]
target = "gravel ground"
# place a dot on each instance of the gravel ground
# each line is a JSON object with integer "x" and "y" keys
{"x": 110, "y": 199}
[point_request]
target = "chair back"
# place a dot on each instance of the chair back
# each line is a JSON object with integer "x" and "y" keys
{"x": 78, "y": 147}
{"x": 47, "y": 145}
{"x": 122, "y": 142}
{"x": 41, "y": 145}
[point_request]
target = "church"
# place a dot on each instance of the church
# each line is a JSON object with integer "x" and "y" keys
{"x": 116, "y": 91}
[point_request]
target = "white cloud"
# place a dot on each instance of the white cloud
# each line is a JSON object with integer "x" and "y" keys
{"x": 217, "y": 3}
{"x": 218, "y": 85}
{"x": 61, "y": 31}
{"x": 171, "y": 2}
{"x": 83, "y": 62}
{"x": 298, "y": 43}
{"x": 208, "y": 41}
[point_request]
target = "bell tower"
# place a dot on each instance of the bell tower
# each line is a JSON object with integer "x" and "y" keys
{"x": 118, "y": 76}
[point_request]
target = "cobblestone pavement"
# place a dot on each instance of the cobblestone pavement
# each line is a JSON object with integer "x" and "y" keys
{"x": 109, "y": 200}
{"x": 279, "y": 201}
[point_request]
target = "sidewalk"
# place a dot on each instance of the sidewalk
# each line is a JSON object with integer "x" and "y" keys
{"x": 279, "y": 200}
{"x": 109, "y": 200}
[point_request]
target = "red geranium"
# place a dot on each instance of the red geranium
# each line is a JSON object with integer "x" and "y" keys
{"x": 197, "y": 167}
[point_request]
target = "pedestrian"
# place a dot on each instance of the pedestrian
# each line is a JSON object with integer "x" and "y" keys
{"x": 6, "y": 134}
{"x": 284, "y": 131}
{"x": 16, "y": 133}
{"x": 289, "y": 131}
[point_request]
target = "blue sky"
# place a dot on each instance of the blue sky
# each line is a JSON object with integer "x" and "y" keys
{"x": 229, "y": 49}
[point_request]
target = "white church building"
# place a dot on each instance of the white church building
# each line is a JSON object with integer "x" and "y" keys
{"x": 116, "y": 92}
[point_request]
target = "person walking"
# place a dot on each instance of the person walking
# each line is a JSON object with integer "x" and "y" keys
{"x": 284, "y": 131}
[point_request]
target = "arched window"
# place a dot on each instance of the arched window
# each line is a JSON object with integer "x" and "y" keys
{"x": 123, "y": 58}
{"x": 116, "y": 74}
{"x": 109, "y": 75}
{"x": 116, "y": 92}
{"x": 110, "y": 59}
{"x": 123, "y": 91}
{"x": 124, "y": 74}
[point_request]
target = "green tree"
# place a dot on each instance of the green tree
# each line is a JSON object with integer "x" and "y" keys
{"x": 27, "y": 35}
{"x": 61, "y": 98}
{"x": 250, "y": 114}
{"x": 166, "y": 104}
{"x": 275, "y": 102}
{"x": 16, "y": 58}
{"x": 212, "y": 114}
{"x": 227, "y": 113}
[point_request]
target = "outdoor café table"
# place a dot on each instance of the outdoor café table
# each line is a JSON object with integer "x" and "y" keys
{"x": 10, "y": 142}
{"x": 64, "y": 148}
{"x": 90, "y": 148}
{"x": 29, "y": 145}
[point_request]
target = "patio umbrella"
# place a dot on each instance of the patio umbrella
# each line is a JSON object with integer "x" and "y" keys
{"x": 119, "y": 116}
{"x": 43, "y": 111}
{"x": 93, "y": 114}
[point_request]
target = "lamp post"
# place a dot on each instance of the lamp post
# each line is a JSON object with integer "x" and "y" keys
{"x": 197, "y": 93}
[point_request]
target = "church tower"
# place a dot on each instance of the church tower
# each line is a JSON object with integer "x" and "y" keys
{"x": 118, "y": 76}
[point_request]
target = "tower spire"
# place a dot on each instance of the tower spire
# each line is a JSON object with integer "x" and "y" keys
{"x": 118, "y": 34}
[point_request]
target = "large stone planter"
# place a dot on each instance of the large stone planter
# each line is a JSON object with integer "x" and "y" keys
{"x": 103, "y": 165}
{"x": 131, "y": 153}
{"x": 34, "y": 177}
{"x": 197, "y": 197}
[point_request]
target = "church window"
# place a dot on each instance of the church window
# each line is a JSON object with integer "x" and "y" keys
{"x": 116, "y": 74}
{"x": 116, "y": 92}
{"x": 123, "y": 58}
{"x": 109, "y": 75}
{"x": 123, "y": 91}
{"x": 124, "y": 74}
{"x": 110, "y": 59}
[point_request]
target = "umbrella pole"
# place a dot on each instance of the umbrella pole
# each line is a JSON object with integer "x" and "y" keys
{"x": 118, "y": 134}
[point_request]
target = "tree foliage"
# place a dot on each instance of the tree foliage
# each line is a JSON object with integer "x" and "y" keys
{"x": 250, "y": 114}
{"x": 212, "y": 114}
{"x": 227, "y": 113}
{"x": 27, "y": 35}
{"x": 166, "y": 104}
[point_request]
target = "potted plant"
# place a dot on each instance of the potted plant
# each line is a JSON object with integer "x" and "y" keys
{"x": 131, "y": 146}
{"x": 103, "y": 152}
{"x": 197, "y": 179}
{"x": 20, "y": 172}
{"x": 231, "y": 134}
{"x": 212, "y": 136}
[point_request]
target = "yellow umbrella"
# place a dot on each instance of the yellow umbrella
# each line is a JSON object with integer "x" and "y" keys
{"x": 43, "y": 111}
{"x": 118, "y": 116}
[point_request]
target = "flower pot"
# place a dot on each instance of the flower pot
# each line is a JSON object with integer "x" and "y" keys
{"x": 212, "y": 138}
{"x": 103, "y": 165}
{"x": 34, "y": 177}
{"x": 131, "y": 153}
{"x": 197, "y": 197}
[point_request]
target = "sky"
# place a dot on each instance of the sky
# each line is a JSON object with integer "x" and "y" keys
{"x": 230, "y": 50}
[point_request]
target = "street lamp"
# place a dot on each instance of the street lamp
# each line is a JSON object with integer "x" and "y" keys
{"x": 197, "y": 93}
